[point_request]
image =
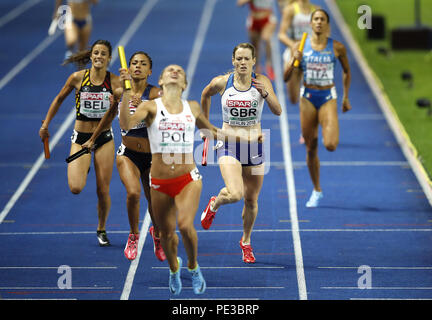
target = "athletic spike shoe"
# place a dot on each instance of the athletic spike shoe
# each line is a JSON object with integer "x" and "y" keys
{"x": 102, "y": 238}
{"x": 198, "y": 282}
{"x": 175, "y": 284}
{"x": 131, "y": 249}
{"x": 270, "y": 72}
{"x": 314, "y": 199}
{"x": 248, "y": 256}
{"x": 157, "y": 247}
{"x": 208, "y": 215}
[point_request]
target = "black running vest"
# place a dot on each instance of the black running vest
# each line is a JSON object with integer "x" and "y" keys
{"x": 91, "y": 101}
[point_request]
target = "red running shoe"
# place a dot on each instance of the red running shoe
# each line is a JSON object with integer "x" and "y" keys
{"x": 208, "y": 215}
{"x": 131, "y": 249}
{"x": 248, "y": 255}
{"x": 157, "y": 247}
{"x": 270, "y": 72}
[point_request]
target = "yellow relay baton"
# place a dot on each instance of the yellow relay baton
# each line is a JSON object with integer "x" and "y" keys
{"x": 123, "y": 64}
{"x": 302, "y": 43}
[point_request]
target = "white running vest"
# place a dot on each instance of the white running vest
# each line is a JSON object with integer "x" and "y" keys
{"x": 301, "y": 22}
{"x": 172, "y": 133}
{"x": 241, "y": 108}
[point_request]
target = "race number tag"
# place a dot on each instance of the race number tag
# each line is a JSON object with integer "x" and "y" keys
{"x": 94, "y": 104}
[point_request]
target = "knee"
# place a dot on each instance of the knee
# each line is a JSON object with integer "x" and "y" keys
{"x": 251, "y": 204}
{"x": 133, "y": 196}
{"x": 294, "y": 95}
{"x": 102, "y": 192}
{"x": 331, "y": 145}
{"x": 185, "y": 227}
{"x": 75, "y": 189}
{"x": 311, "y": 146}
{"x": 168, "y": 235}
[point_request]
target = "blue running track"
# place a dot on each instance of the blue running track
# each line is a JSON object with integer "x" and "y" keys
{"x": 373, "y": 229}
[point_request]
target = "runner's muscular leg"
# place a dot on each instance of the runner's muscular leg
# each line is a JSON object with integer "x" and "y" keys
{"x": 231, "y": 171}
{"x": 130, "y": 177}
{"x": 328, "y": 119}
{"x": 309, "y": 125}
{"x": 164, "y": 211}
{"x": 253, "y": 178}
{"x": 103, "y": 162}
{"x": 145, "y": 180}
{"x": 187, "y": 202}
{"x": 77, "y": 170}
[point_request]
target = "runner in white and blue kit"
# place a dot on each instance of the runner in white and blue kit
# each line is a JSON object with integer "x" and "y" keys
{"x": 318, "y": 105}
{"x": 243, "y": 93}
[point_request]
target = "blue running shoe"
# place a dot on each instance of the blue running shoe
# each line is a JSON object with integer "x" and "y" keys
{"x": 175, "y": 284}
{"x": 314, "y": 199}
{"x": 198, "y": 282}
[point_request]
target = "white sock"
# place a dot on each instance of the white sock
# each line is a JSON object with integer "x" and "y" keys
{"x": 211, "y": 207}
{"x": 245, "y": 243}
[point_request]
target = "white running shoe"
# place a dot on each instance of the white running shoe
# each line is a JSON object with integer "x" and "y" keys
{"x": 314, "y": 199}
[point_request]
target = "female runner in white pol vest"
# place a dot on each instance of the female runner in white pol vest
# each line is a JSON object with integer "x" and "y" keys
{"x": 172, "y": 133}
{"x": 175, "y": 181}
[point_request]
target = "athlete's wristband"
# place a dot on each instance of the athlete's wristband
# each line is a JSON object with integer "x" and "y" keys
{"x": 265, "y": 95}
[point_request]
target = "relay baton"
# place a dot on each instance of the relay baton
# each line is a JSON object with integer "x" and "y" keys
{"x": 76, "y": 155}
{"x": 46, "y": 148}
{"x": 204, "y": 154}
{"x": 123, "y": 64}
{"x": 302, "y": 43}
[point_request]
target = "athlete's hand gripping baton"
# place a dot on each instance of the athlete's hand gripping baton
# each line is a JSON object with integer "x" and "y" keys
{"x": 123, "y": 64}
{"x": 302, "y": 43}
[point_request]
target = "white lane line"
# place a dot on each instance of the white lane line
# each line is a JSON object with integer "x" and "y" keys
{"x": 347, "y": 117}
{"x": 356, "y": 163}
{"x": 223, "y": 288}
{"x": 27, "y": 59}
{"x": 198, "y": 43}
{"x": 409, "y": 151}
{"x": 56, "y": 268}
{"x": 390, "y": 299}
{"x": 201, "y": 267}
{"x": 289, "y": 170}
{"x": 381, "y": 268}
{"x": 234, "y": 299}
{"x": 213, "y": 116}
{"x": 57, "y": 233}
{"x": 23, "y": 7}
{"x": 272, "y": 164}
{"x": 193, "y": 60}
{"x": 142, "y": 14}
{"x": 377, "y": 288}
{"x": 55, "y": 288}
{"x": 134, "y": 264}
{"x": 35, "y": 168}
{"x": 38, "y": 299}
{"x": 133, "y": 27}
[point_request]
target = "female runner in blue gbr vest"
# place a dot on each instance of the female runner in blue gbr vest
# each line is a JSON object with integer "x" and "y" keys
{"x": 318, "y": 95}
{"x": 242, "y": 165}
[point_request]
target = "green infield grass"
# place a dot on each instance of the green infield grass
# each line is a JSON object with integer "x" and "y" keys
{"x": 388, "y": 68}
